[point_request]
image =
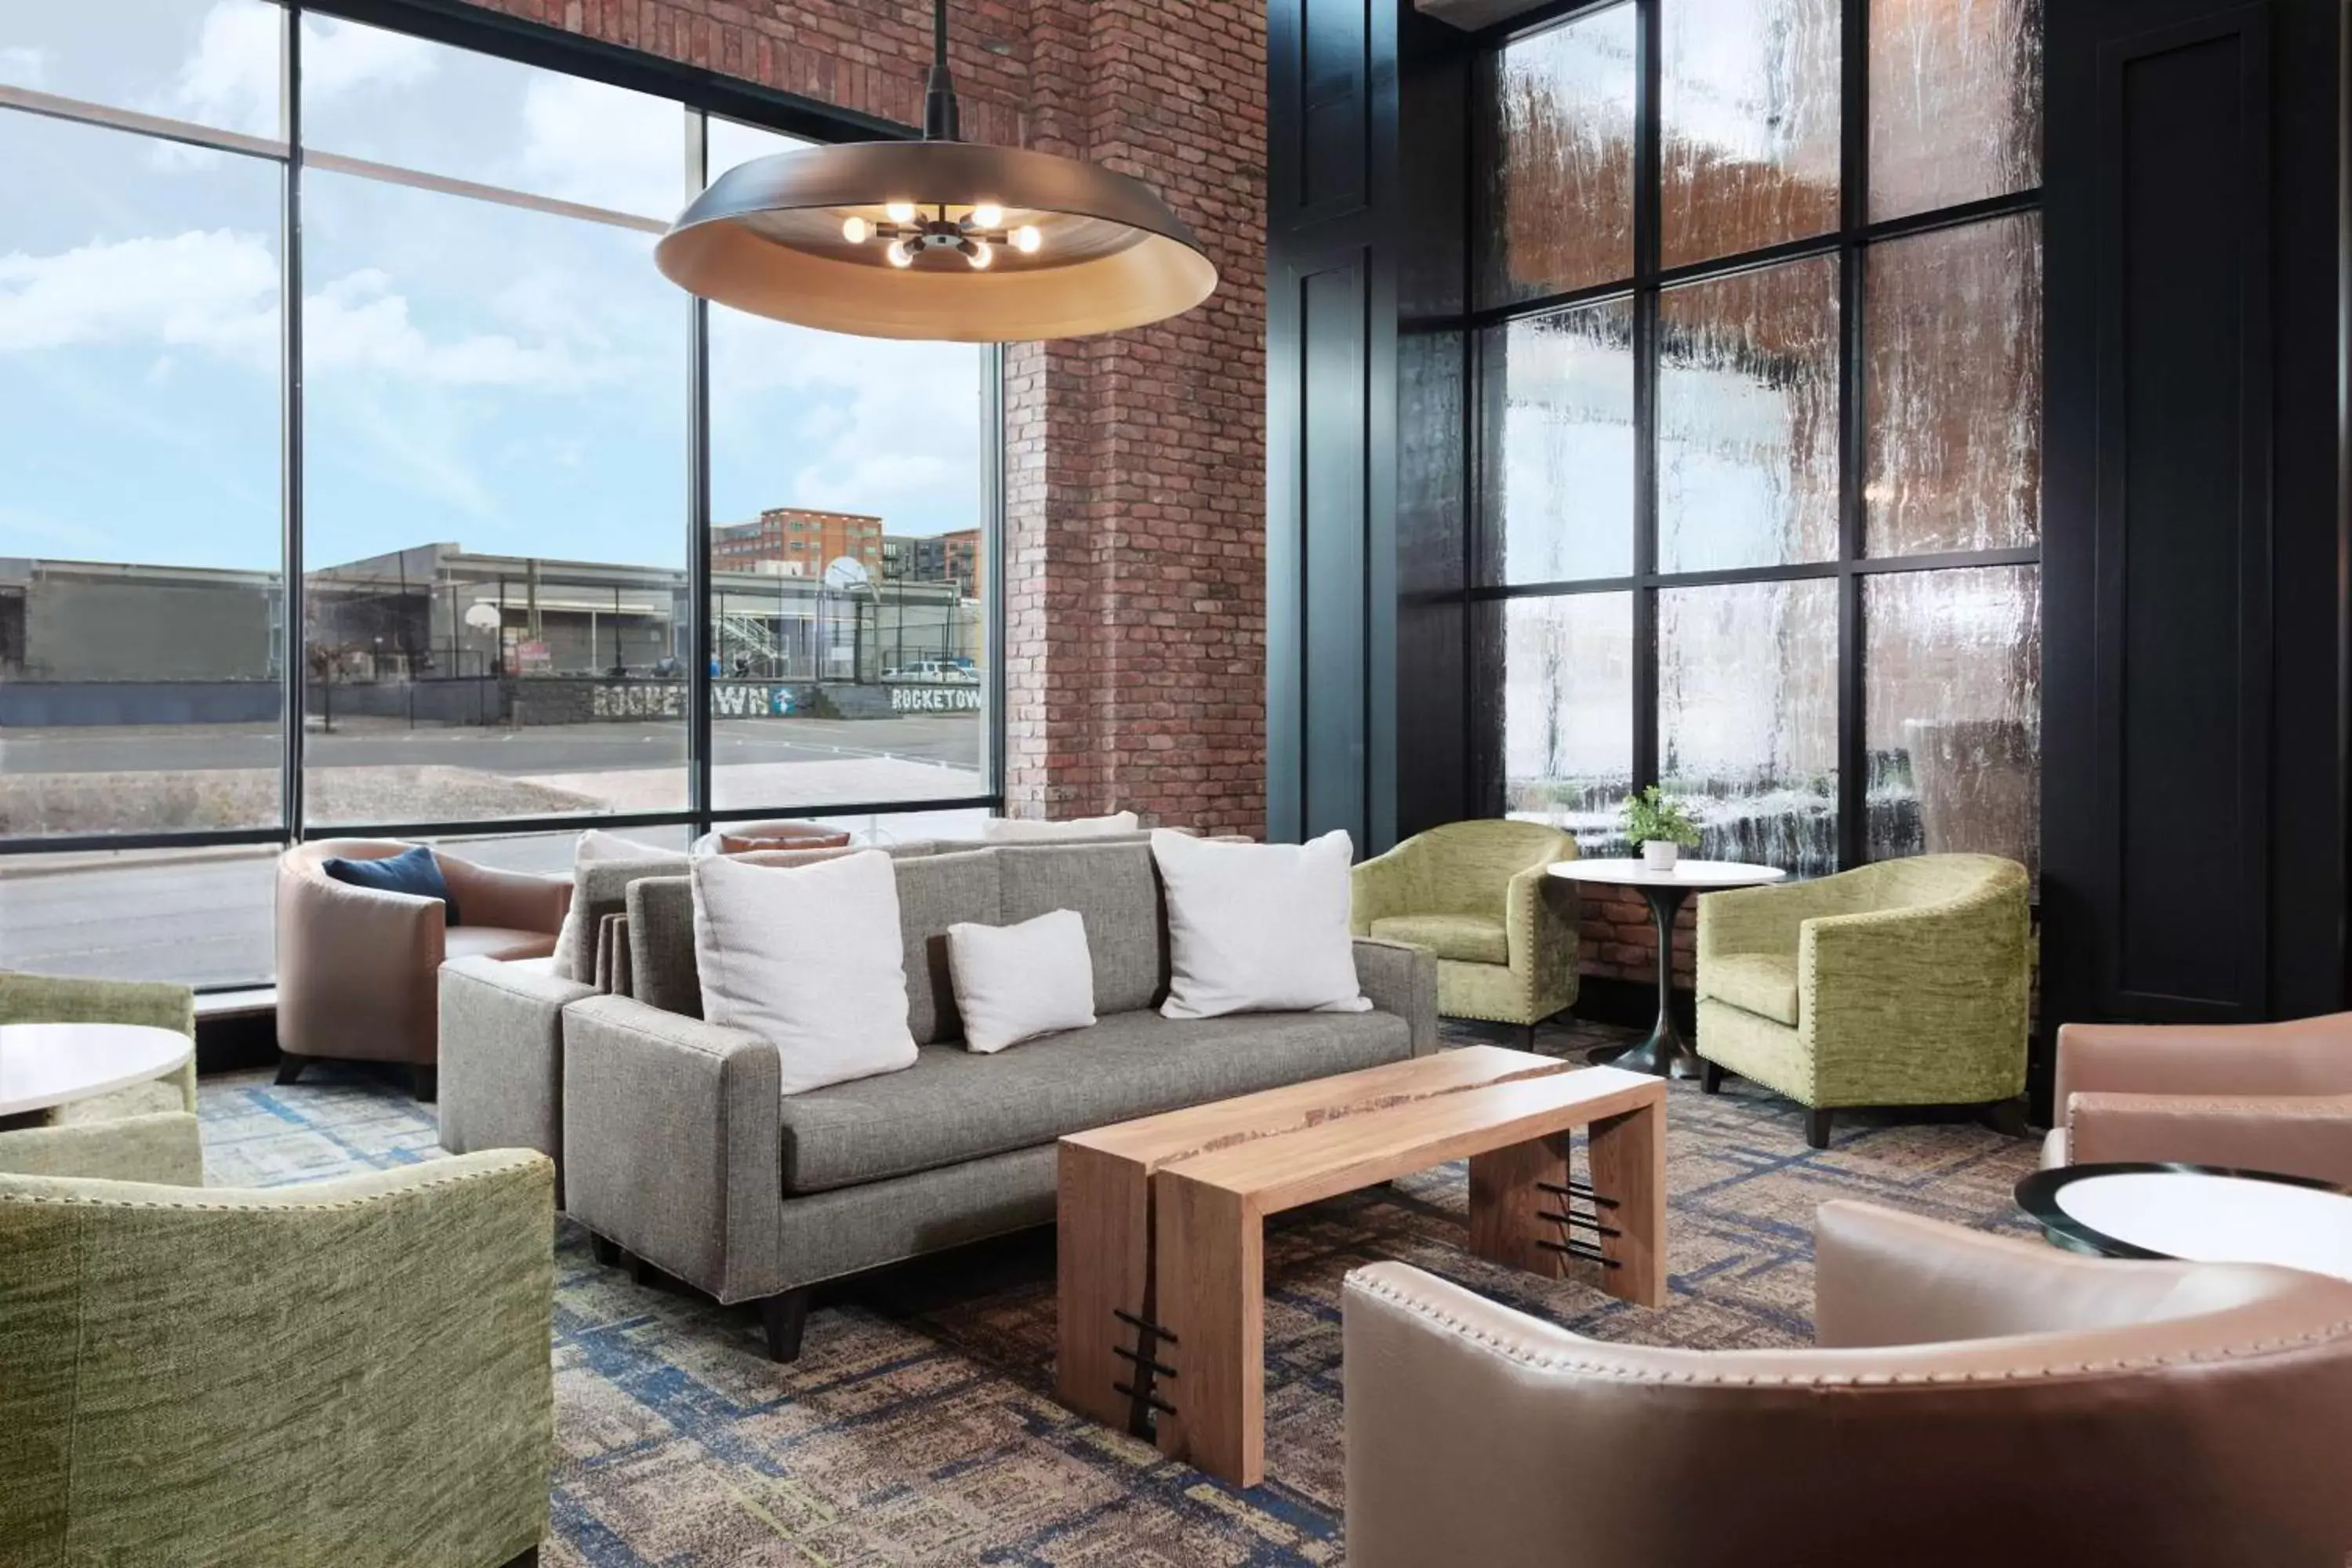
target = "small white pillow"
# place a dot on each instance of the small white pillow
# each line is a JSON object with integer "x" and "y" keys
{"x": 1023, "y": 830}
{"x": 810, "y": 958}
{"x": 1258, "y": 928}
{"x": 573, "y": 940}
{"x": 1015, "y": 983}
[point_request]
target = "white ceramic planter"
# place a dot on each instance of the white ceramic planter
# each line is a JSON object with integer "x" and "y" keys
{"x": 1658, "y": 854}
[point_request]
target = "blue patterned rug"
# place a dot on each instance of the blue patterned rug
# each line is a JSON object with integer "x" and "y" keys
{"x": 918, "y": 1425}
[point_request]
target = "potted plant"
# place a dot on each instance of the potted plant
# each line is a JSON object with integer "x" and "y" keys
{"x": 1660, "y": 825}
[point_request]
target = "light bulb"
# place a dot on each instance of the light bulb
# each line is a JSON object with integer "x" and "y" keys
{"x": 854, "y": 230}
{"x": 1026, "y": 239}
{"x": 987, "y": 215}
{"x": 980, "y": 255}
{"x": 900, "y": 212}
{"x": 902, "y": 253}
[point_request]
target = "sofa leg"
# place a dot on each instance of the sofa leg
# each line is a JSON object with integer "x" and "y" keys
{"x": 427, "y": 1079}
{"x": 1710, "y": 1077}
{"x": 1817, "y": 1127}
{"x": 2008, "y": 1117}
{"x": 528, "y": 1559}
{"x": 1527, "y": 1037}
{"x": 603, "y": 1249}
{"x": 290, "y": 1066}
{"x": 642, "y": 1272}
{"x": 784, "y": 1317}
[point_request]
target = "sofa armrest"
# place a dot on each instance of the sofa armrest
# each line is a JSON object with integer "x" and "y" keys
{"x": 1400, "y": 978}
{"x": 1539, "y": 918}
{"x": 517, "y": 901}
{"x": 673, "y": 1138}
{"x": 2301, "y": 1055}
{"x": 502, "y": 1057}
{"x": 2296, "y": 1135}
{"x": 1918, "y": 1004}
{"x": 370, "y": 1352}
{"x": 1378, "y": 888}
{"x": 1768, "y": 917}
{"x": 161, "y": 1146}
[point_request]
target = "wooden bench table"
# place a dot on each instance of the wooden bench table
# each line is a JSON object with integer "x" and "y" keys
{"x": 1161, "y": 1261}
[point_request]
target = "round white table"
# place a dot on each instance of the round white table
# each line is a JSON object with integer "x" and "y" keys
{"x": 1665, "y": 1052}
{"x": 2199, "y": 1212}
{"x": 42, "y": 1065}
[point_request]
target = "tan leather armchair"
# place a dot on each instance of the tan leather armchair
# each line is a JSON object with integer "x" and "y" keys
{"x": 2262, "y": 1097}
{"x": 1974, "y": 1398}
{"x": 357, "y": 967}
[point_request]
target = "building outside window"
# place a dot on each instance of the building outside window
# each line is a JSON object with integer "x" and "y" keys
{"x": 512, "y": 438}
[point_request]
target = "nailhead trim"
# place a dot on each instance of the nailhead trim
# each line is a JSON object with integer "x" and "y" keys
{"x": 430, "y": 1182}
{"x": 1517, "y": 1351}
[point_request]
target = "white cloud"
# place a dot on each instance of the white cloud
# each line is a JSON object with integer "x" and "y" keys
{"x": 358, "y": 323}
{"x": 232, "y": 79}
{"x": 21, "y": 64}
{"x": 204, "y": 289}
{"x": 588, "y": 142}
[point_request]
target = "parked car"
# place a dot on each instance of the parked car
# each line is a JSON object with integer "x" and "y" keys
{"x": 936, "y": 671}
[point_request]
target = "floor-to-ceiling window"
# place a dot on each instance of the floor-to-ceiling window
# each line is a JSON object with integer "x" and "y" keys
{"x": 1758, "y": 357}
{"x": 280, "y": 291}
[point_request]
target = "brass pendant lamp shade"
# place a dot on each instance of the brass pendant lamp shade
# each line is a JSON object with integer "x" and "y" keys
{"x": 937, "y": 239}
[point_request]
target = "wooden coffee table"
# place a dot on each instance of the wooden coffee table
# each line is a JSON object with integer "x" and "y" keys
{"x": 1161, "y": 1246}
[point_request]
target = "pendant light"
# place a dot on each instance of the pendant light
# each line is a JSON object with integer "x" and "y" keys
{"x": 939, "y": 239}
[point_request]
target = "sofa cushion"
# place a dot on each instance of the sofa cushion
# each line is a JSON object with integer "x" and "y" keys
{"x": 1466, "y": 939}
{"x": 1115, "y": 888}
{"x": 599, "y": 886}
{"x": 954, "y": 1105}
{"x": 414, "y": 871}
{"x": 496, "y": 942}
{"x": 937, "y": 891}
{"x": 1764, "y": 984}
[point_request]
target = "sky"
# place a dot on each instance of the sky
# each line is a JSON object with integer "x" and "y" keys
{"x": 475, "y": 373}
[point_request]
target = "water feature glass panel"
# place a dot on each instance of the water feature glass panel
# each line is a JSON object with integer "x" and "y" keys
{"x": 1557, "y": 469}
{"x": 1558, "y": 149}
{"x": 1748, "y": 414}
{"x": 1952, "y": 329}
{"x": 1749, "y": 108}
{"x": 1568, "y": 712}
{"x": 1952, "y": 712}
{"x": 1955, "y": 102}
{"x": 1748, "y": 718}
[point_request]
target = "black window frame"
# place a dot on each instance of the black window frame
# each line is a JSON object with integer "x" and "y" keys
{"x": 1850, "y": 243}
{"x": 703, "y": 92}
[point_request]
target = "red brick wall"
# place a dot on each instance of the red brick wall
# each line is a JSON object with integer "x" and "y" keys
{"x": 1136, "y": 465}
{"x": 1620, "y": 941}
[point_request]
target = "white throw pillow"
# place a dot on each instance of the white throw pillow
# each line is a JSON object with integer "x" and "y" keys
{"x": 573, "y": 942}
{"x": 1258, "y": 928}
{"x": 809, "y": 958}
{"x": 1015, "y": 983}
{"x": 1022, "y": 830}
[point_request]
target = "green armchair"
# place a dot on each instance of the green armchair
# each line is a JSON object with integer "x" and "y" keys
{"x": 346, "y": 1375}
{"x": 1475, "y": 894}
{"x": 1903, "y": 982}
{"x": 143, "y": 1133}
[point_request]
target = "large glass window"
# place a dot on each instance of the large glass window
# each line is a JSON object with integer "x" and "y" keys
{"x": 1776, "y": 416}
{"x": 513, "y": 450}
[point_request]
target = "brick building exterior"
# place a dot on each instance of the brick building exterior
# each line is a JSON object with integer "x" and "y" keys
{"x": 804, "y": 543}
{"x": 1135, "y": 464}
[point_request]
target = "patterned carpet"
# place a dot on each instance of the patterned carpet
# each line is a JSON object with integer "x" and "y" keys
{"x": 919, "y": 1426}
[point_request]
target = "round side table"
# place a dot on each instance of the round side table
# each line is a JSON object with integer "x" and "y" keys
{"x": 2202, "y": 1213}
{"x": 43, "y": 1065}
{"x": 1665, "y": 1052}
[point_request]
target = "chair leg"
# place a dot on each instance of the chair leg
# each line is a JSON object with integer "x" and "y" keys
{"x": 642, "y": 1272}
{"x": 427, "y": 1082}
{"x": 2008, "y": 1117}
{"x": 784, "y": 1317}
{"x": 528, "y": 1559}
{"x": 290, "y": 1066}
{"x": 603, "y": 1249}
{"x": 1527, "y": 1037}
{"x": 1710, "y": 1077}
{"x": 1817, "y": 1127}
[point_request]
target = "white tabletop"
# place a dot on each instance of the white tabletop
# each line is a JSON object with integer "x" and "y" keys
{"x": 2217, "y": 1219}
{"x": 42, "y": 1065}
{"x": 1686, "y": 874}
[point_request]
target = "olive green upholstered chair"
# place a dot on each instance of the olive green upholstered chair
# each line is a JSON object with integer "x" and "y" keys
{"x": 1475, "y": 894}
{"x": 146, "y": 1132}
{"x": 343, "y": 1374}
{"x": 1903, "y": 982}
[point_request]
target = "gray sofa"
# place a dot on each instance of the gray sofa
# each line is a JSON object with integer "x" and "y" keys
{"x": 680, "y": 1147}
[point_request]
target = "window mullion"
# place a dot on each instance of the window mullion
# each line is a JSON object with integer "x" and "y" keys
{"x": 1647, "y": 207}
